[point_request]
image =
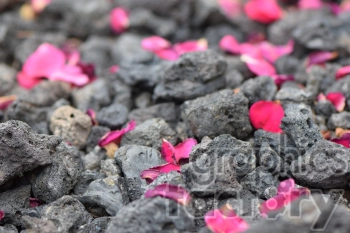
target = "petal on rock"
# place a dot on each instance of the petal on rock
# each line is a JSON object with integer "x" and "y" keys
{"x": 39, "y": 5}
{"x": 170, "y": 191}
{"x": 225, "y": 220}
{"x": 70, "y": 74}
{"x": 168, "y": 151}
{"x": 191, "y": 46}
{"x": 149, "y": 175}
{"x": 5, "y": 101}
{"x": 266, "y": 11}
{"x": 183, "y": 150}
{"x": 282, "y": 78}
{"x": 310, "y": 4}
{"x": 26, "y": 81}
{"x": 113, "y": 69}
{"x": 87, "y": 69}
{"x": 258, "y": 66}
{"x": 155, "y": 43}
{"x": 2, "y": 214}
{"x": 266, "y": 115}
{"x": 344, "y": 140}
{"x": 340, "y": 131}
{"x": 229, "y": 44}
{"x": 271, "y": 52}
{"x": 168, "y": 54}
{"x": 34, "y": 202}
{"x": 152, "y": 173}
{"x": 321, "y": 97}
{"x": 320, "y": 57}
{"x": 119, "y": 19}
{"x": 286, "y": 186}
{"x": 231, "y": 8}
{"x": 115, "y": 136}
{"x": 92, "y": 114}
{"x": 337, "y": 99}
{"x": 342, "y": 72}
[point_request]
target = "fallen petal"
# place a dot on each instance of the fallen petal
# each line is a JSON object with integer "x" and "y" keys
{"x": 256, "y": 37}
{"x": 152, "y": 173}
{"x": 87, "y": 69}
{"x": 321, "y": 97}
{"x": 113, "y": 69}
{"x": 115, "y": 136}
{"x": 266, "y": 115}
{"x": 183, "y": 150}
{"x": 191, "y": 46}
{"x": 282, "y": 78}
{"x": 155, "y": 43}
{"x": 342, "y": 72}
{"x": 92, "y": 114}
{"x": 229, "y": 44}
{"x": 310, "y": 4}
{"x": 5, "y": 101}
{"x": 168, "y": 151}
{"x": 168, "y": 54}
{"x": 231, "y": 8}
{"x": 344, "y": 140}
{"x": 266, "y": 11}
{"x": 320, "y": 57}
{"x": 337, "y": 99}
{"x": 26, "y": 81}
{"x": 286, "y": 186}
{"x": 258, "y": 66}
{"x": 271, "y": 52}
{"x": 34, "y": 202}
{"x": 70, "y": 74}
{"x": 2, "y": 214}
{"x": 339, "y": 132}
{"x": 170, "y": 191}
{"x": 39, "y": 5}
{"x": 119, "y": 19}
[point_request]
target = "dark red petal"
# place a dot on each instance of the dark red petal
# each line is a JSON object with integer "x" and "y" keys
{"x": 320, "y": 57}
{"x": 342, "y": 72}
{"x": 266, "y": 11}
{"x": 225, "y": 220}
{"x": 119, "y": 19}
{"x": 271, "y": 52}
{"x": 344, "y": 140}
{"x": 155, "y": 43}
{"x": 191, "y": 46}
{"x": 337, "y": 99}
{"x": 229, "y": 44}
{"x": 168, "y": 54}
{"x": 231, "y": 8}
{"x": 168, "y": 151}
{"x": 5, "y": 101}
{"x": 92, "y": 114}
{"x": 2, "y": 214}
{"x": 183, "y": 150}
{"x": 34, "y": 202}
{"x": 115, "y": 136}
{"x": 152, "y": 173}
{"x": 266, "y": 115}
{"x": 87, "y": 69}
{"x": 170, "y": 191}
{"x": 258, "y": 66}
{"x": 282, "y": 78}
{"x": 310, "y": 4}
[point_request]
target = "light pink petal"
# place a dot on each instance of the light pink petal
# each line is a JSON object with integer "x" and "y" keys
{"x": 168, "y": 54}
{"x": 337, "y": 99}
{"x": 26, "y": 81}
{"x": 183, "y": 150}
{"x": 2, "y": 214}
{"x": 282, "y": 78}
{"x": 113, "y": 69}
{"x": 152, "y": 173}
{"x": 344, "y": 140}
{"x": 155, "y": 43}
{"x": 263, "y": 11}
{"x": 70, "y": 74}
{"x": 251, "y": 50}
{"x": 115, "y": 136}
{"x": 168, "y": 151}
{"x": 5, "y": 101}
{"x": 320, "y": 57}
{"x": 92, "y": 114}
{"x": 73, "y": 58}
{"x": 170, "y": 191}
{"x": 231, "y": 8}
{"x": 342, "y": 72}
{"x": 34, "y": 202}
{"x": 321, "y": 97}
{"x": 286, "y": 186}
{"x": 345, "y": 5}
{"x": 310, "y": 4}
{"x": 119, "y": 19}
{"x": 39, "y": 5}
{"x": 229, "y": 44}
{"x": 271, "y": 52}
{"x": 225, "y": 220}
{"x": 258, "y": 66}
{"x": 191, "y": 46}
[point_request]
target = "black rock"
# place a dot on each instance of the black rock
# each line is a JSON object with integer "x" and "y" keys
{"x": 172, "y": 177}
{"x": 270, "y": 161}
{"x": 121, "y": 93}
{"x": 98, "y": 225}
{"x": 97, "y": 132}
{"x": 287, "y": 64}
{"x": 36, "y": 225}
{"x": 222, "y": 112}
{"x": 325, "y": 108}
{"x": 7, "y": 79}
{"x": 9, "y": 229}
{"x": 260, "y": 88}
{"x": 339, "y": 120}
{"x": 92, "y": 160}
{"x": 110, "y": 167}
{"x": 233, "y": 78}
{"x": 85, "y": 179}
{"x": 113, "y": 116}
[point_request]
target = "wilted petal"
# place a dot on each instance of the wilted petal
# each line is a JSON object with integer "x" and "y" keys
{"x": 266, "y": 11}
{"x": 119, "y": 19}
{"x": 229, "y": 44}
{"x": 271, "y": 52}
{"x": 225, "y": 220}
{"x": 320, "y": 57}
{"x": 152, "y": 173}
{"x": 39, "y": 5}
{"x": 310, "y": 4}
{"x": 26, "y": 81}
{"x": 231, "y": 8}
{"x": 115, "y": 136}
{"x": 34, "y": 202}
{"x": 183, "y": 150}
{"x": 168, "y": 151}
{"x": 2, "y": 214}
{"x": 342, "y": 72}
{"x": 258, "y": 66}
{"x": 155, "y": 43}
{"x": 337, "y": 99}
{"x": 168, "y": 54}
{"x": 191, "y": 46}
{"x": 266, "y": 115}
{"x": 282, "y": 78}
{"x": 170, "y": 191}
{"x": 344, "y": 140}
{"x": 5, "y": 101}
{"x": 92, "y": 114}
{"x": 70, "y": 74}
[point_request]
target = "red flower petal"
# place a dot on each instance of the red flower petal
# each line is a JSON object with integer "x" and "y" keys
{"x": 5, "y": 101}
{"x": 191, "y": 46}
{"x": 119, "y": 19}
{"x": 70, "y": 74}
{"x": 34, "y": 202}
{"x": 266, "y": 11}
{"x": 342, "y": 72}
{"x": 170, "y": 191}
{"x": 225, "y": 220}
{"x": 155, "y": 43}
{"x": 2, "y": 214}
{"x": 266, "y": 115}
{"x": 231, "y": 8}
{"x": 310, "y": 4}
{"x": 92, "y": 114}
{"x": 115, "y": 136}
{"x": 152, "y": 173}
{"x": 337, "y": 99}
{"x": 271, "y": 52}
{"x": 229, "y": 44}
{"x": 113, "y": 69}
{"x": 87, "y": 69}
{"x": 344, "y": 140}
{"x": 282, "y": 78}
{"x": 168, "y": 54}
{"x": 320, "y": 57}
{"x": 183, "y": 150}
{"x": 258, "y": 66}
{"x": 39, "y": 5}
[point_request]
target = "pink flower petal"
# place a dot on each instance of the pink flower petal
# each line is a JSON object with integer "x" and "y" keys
{"x": 39, "y": 5}
{"x": 310, "y": 4}
{"x": 266, "y": 11}
{"x": 191, "y": 46}
{"x": 70, "y": 74}
{"x": 170, "y": 191}
{"x": 5, "y": 101}
{"x": 282, "y": 78}
{"x": 2, "y": 214}
{"x": 26, "y": 81}
{"x": 255, "y": 37}
{"x": 155, "y": 43}
{"x": 341, "y": 72}
{"x": 183, "y": 150}
{"x": 258, "y": 66}
{"x": 225, "y": 220}
{"x": 34, "y": 202}
{"x": 321, "y": 97}
{"x": 286, "y": 186}
{"x": 119, "y": 19}
{"x": 251, "y": 50}
{"x": 152, "y": 173}
{"x": 320, "y": 57}
{"x": 113, "y": 69}
{"x": 344, "y": 140}
{"x": 345, "y": 5}
{"x": 168, "y": 54}
{"x": 266, "y": 115}
{"x": 115, "y": 136}
{"x": 92, "y": 114}
{"x": 337, "y": 99}
{"x": 168, "y": 151}
{"x": 231, "y": 8}
{"x": 271, "y": 52}
{"x": 229, "y": 44}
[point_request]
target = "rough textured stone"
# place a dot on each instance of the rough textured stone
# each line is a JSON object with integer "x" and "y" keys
{"x": 85, "y": 179}
{"x": 97, "y": 132}
{"x": 325, "y": 108}
{"x": 71, "y": 124}
{"x": 172, "y": 177}
{"x": 193, "y": 75}
{"x": 8, "y": 229}
{"x": 110, "y": 167}
{"x": 152, "y": 215}
{"x": 339, "y": 120}
{"x": 113, "y": 116}
{"x": 21, "y": 149}
{"x": 92, "y": 161}
{"x": 150, "y": 133}
{"x": 36, "y": 225}
{"x": 7, "y": 79}
{"x": 222, "y": 112}
{"x": 260, "y": 88}
{"x": 98, "y": 225}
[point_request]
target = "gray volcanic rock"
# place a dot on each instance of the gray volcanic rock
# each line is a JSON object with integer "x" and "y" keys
{"x": 37, "y": 225}
{"x": 259, "y": 88}
{"x": 339, "y": 120}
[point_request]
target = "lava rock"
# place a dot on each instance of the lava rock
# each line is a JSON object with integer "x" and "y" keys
{"x": 92, "y": 161}
{"x": 7, "y": 79}
{"x": 172, "y": 177}
{"x": 8, "y": 229}
{"x": 222, "y": 112}
{"x": 150, "y": 215}
{"x": 37, "y": 225}
{"x": 233, "y": 78}
{"x": 143, "y": 100}
{"x": 97, "y": 132}
{"x": 132, "y": 160}
{"x": 339, "y": 120}
{"x": 270, "y": 161}
{"x": 59, "y": 178}
{"x": 113, "y": 116}
{"x": 14, "y": 202}
{"x": 121, "y": 93}
{"x": 260, "y": 88}
{"x": 67, "y": 213}
{"x": 325, "y": 108}
{"x": 287, "y": 64}
{"x": 150, "y": 133}
{"x": 98, "y": 225}
{"x": 85, "y": 179}
{"x": 21, "y": 149}
{"x": 71, "y": 124}
{"x": 201, "y": 206}
{"x": 110, "y": 167}
{"x": 193, "y": 75}
{"x": 294, "y": 94}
